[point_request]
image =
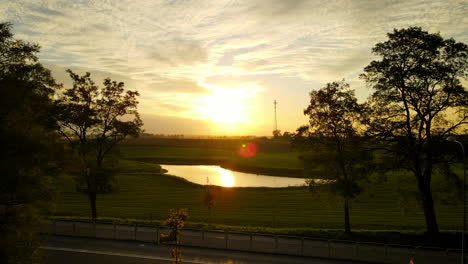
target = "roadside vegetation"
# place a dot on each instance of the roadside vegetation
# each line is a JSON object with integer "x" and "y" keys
{"x": 30, "y": 152}
{"x": 448, "y": 238}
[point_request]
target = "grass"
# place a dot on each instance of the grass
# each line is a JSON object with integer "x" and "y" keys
{"x": 283, "y": 162}
{"x": 144, "y": 194}
{"x": 147, "y": 195}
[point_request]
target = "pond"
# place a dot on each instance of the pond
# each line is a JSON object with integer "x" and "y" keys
{"x": 215, "y": 175}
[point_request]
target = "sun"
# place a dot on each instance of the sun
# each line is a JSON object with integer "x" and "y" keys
{"x": 226, "y": 105}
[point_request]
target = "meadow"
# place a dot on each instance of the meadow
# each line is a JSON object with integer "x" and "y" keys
{"x": 272, "y": 157}
{"x": 146, "y": 193}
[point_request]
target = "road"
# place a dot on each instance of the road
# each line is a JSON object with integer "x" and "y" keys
{"x": 71, "y": 250}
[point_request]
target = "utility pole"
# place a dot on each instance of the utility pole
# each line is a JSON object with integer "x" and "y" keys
{"x": 276, "y": 121}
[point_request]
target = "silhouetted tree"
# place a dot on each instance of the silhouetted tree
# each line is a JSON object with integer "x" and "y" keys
{"x": 276, "y": 133}
{"x": 416, "y": 87}
{"x": 94, "y": 119}
{"x": 287, "y": 135}
{"x": 29, "y": 148}
{"x": 334, "y": 138}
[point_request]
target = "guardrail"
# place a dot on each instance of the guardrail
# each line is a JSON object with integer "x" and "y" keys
{"x": 262, "y": 243}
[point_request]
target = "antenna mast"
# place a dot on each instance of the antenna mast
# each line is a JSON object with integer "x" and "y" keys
{"x": 276, "y": 121}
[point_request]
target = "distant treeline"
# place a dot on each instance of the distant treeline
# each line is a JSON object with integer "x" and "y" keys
{"x": 226, "y": 143}
{"x": 198, "y": 136}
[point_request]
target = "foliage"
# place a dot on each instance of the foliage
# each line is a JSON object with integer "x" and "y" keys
{"x": 418, "y": 100}
{"x": 176, "y": 219}
{"x": 176, "y": 255}
{"x": 287, "y": 135}
{"x": 29, "y": 148}
{"x": 175, "y": 222}
{"x": 94, "y": 119}
{"x": 283, "y": 136}
{"x": 334, "y": 135}
{"x": 276, "y": 133}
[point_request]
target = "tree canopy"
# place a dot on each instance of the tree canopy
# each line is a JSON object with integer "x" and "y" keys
{"x": 94, "y": 119}
{"x": 29, "y": 147}
{"x": 334, "y": 133}
{"x": 418, "y": 100}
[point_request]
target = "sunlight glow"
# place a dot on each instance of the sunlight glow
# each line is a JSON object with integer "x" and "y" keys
{"x": 224, "y": 106}
{"x": 229, "y": 107}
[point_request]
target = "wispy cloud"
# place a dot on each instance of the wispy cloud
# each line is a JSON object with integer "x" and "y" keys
{"x": 170, "y": 50}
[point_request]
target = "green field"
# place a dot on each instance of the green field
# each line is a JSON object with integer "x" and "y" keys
{"x": 145, "y": 193}
{"x": 280, "y": 162}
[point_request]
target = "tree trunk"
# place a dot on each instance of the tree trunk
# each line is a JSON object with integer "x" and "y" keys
{"x": 211, "y": 217}
{"x": 427, "y": 203}
{"x": 92, "y": 203}
{"x": 346, "y": 216}
{"x": 429, "y": 211}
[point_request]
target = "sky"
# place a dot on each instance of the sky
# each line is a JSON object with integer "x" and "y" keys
{"x": 215, "y": 67}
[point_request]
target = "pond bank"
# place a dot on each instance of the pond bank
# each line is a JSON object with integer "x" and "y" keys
{"x": 216, "y": 175}
{"x": 226, "y": 164}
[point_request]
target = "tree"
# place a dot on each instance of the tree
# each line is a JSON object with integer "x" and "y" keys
{"x": 333, "y": 134}
{"x": 276, "y": 133}
{"x": 92, "y": 118}
{"x": 29, "y": 148}
{"x": 417, "y": 101}
{"x": 209, "y": 198}
{"x": 287, "y": 135}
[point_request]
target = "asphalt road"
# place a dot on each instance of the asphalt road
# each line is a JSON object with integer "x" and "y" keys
{"x": 71, "y": 250}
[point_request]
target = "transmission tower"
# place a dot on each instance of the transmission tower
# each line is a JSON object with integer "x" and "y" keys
{"x": 276, "y": 120}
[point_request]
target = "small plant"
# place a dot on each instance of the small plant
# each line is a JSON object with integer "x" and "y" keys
{"x": 209, "y": 199}
{"x": 175, "y": 222}
{"x": 176, "y": 255}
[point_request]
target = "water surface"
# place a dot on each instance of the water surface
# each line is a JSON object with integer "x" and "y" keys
{"x": 203, "y": 174}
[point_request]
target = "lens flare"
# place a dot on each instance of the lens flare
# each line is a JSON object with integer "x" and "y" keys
{"x": 248, "y": 150}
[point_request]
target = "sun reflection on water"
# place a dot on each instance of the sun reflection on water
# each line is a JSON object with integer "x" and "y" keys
{"x": 215, "y": 175}
{"x": 226, "y": 177}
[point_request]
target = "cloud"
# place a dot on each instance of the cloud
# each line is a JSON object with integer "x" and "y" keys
{"x": 61, "y": 76}
{"x": 159, "y": 124}
{"x": 187, "y": 39}
{"x": 283, "y": 9}
{"x": 186, "y": 86}
{"x": 168, "y": 49}
{"x": 174, "y": 108}
{"x": 178, "y": 51}
{"x": 168, "y": 97}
